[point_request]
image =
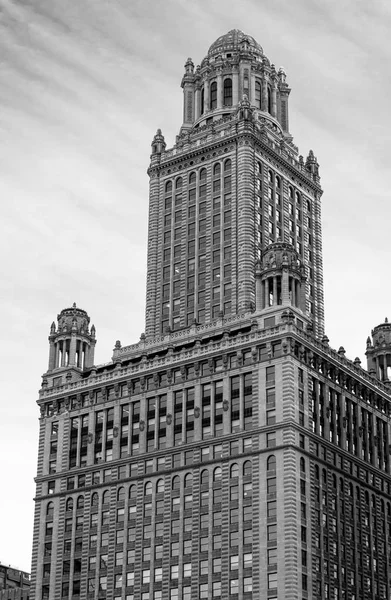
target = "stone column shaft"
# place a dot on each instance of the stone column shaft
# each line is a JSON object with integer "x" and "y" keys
{"x": 219, "y": 90}
{"x": 197, "y": 100}
{"x": 274, "y": 101}
{"x": 235, "y": 88}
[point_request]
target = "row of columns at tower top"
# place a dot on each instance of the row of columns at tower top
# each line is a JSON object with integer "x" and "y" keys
{"x": 268, "y": 100}
{"x": 382, "y": 364}
{"x": 70, "y": 352}
{"x": 279, "y": 290}
{"x": 197, "y": 94}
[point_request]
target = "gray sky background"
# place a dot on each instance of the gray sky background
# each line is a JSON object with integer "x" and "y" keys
{"x": 84, "y": 84}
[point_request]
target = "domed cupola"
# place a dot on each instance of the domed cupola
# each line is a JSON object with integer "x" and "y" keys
{"x": 378, "y": 352}
{"x": 234, "y": 67}
{"x": 233, "y": 41}
{"x": 72, "y": 344}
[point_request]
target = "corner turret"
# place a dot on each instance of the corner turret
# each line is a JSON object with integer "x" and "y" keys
{"x": 280, "y": 278}
{"x": 72, "y": 345}
{"x": 158, "y": 143}
{"x": 378, "y": 352}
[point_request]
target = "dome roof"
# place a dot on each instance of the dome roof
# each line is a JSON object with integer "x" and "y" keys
{"x": 230, "y": 41}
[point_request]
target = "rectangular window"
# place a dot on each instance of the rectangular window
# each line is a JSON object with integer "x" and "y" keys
{"x": 271, "y": 439}
{"x": 270, "y": 375}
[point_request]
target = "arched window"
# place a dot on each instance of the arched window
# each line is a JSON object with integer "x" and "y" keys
{"x": 50, "y": 510}
{"x": 324, "y": 476}
{"x": 341, "y": 486}
{"x": 278, "y": 182}
{"x": 334, "y": 482}
{"x": 351, "y": 490}
{"x": 80, "y": 502}
{"x": 217, "y": 474}
{"x": 213, "y": 95}
{"x": 317, "y": 472}
{"x": 148, "y": 488}
{"x": 271, "y": 463}
{"x": 192, "y": 178}
{"x": 227, "y": 166}
{"x": 302, "y": 465}
{"x": 228, "y": 92}
{"x": 298, "y": 199}
{"x": 188, "y": 482}
{"x": 106, "y": 497}
{"x": 176, "y": 483}
{"x": 269, "y": 100}
{"x": 247, "y": 468}
{"x": 179, "y": 183}
{"x": 259, "y": 169}
{"x": 270, "y": 177}
{"x": 168, "y": 187}
{"x": 203, "y": 175}
{"x": 216, "y": 170}
{"x": 234, "y": 471}
{"x": 69, "y": 503}
{"x": 94, "y": 499}
{"x": 121, "y": 494}
{"x": 204, "y": 476}
{"x": 290, "y": 191}
{"x": 202, "y": 101}
{"x": 308, "y": 206}
{"x": 258, "y": 95}
{"x": 132, "y": 491}
{"x": 160, "y": 486}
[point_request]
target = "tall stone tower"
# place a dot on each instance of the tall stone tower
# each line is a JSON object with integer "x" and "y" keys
{"x": 233, "y": 184}
{"x": 230, "y": 453}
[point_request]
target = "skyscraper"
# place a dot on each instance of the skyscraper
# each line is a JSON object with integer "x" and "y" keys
{"x": 230, "y": 453}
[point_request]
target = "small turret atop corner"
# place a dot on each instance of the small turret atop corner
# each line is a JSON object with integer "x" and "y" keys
{"x": 378, "y": 352}
{"x": 158, "y": 143}
{"x": 72, "y": 344}
{"x": 312, "y": 165}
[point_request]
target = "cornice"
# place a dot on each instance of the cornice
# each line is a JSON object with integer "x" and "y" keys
{"x": 232, "y": 137}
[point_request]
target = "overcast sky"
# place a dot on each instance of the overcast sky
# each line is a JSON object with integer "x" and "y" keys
{"x": 84, "y": 84}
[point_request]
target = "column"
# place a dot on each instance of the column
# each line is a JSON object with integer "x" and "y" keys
{"x": 219, "y": 90}
{"x": 63, "y": 355}
{"x": 274, "y": 100}
{"x": 235, "y": 88}
{"x": 206, "y": 95}
{"x": 285, "y": 287}
{"x": 339, "y": 398}
{"x": 258, "y": 293}
{"x": 72, "y": 350}
{"x": 197, "y": 100}
{"x": 385, "y": 376}
{"x": 188, "y": 103}
{"x": 274, "y": 290}
{"x": 252, "y": 89}
{"x": 241, "y": 403}
{"x": 316, "y": 403}
{"x": 52, "y": 356}
{"x": 292, "y": 290}
{"x": 264, "y": 95}
{"x": 266, "y": 293}
{"x": 326, "y": 413}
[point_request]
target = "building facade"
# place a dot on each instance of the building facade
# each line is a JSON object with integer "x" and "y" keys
{"x": 230, "y": 453}
{"x": 14, "y": 583}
